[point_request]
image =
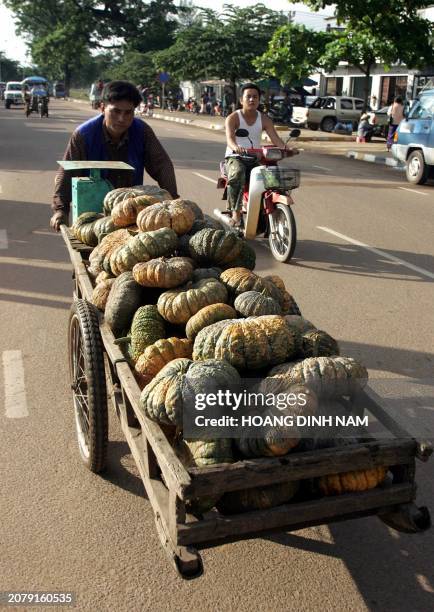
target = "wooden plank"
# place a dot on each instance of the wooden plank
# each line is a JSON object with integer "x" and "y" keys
{"x": 372, "y": 402}
{"x": 293, "y": 515}
{"x": 175, "y": 474}
{"x": 258, "y": 472}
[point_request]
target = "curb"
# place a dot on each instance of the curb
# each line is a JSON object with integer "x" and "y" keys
{"x": 376, "y": 159}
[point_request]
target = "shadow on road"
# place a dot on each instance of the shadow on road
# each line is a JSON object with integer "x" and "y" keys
{"x": 122, "y": 470}
{"x": 356, "y": 260}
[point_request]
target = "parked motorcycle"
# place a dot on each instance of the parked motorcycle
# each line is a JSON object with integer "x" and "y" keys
{"x": 267, "y": 199}
{"x": 280, "y": 113}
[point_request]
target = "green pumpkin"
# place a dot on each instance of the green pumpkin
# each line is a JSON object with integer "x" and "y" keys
{"x": 201, "y": 273}
{"x": 215, "y": 247}
{"x": 125, "y": 298}
{"x": 207, "y": 316}
{"x": 146, "y": 328}
{"x": 175, "y": 385}
{"x": 318, "y": 343}
{"x": 245, "y": 259}
{"x": 141, "y": 248}
{"x": 178, "y": 305}
{"x": 240, "y": 280}
{"x": 328, "y": 377}
{"x": 255, "y": 304}
{"x": 104, "y": 226}
{"x": 83, "y": 228}
{"x": 247, "y": 344}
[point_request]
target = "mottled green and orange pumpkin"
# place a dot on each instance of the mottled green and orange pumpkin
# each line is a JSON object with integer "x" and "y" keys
{"x": 125, "y": 213}
{"x": 157, "y": 355}
{"x": 178, "y": 305}
{"x": 163, "y": 272}
{"x": 255, "y": 303}
{"x": 141, "y": 248}
{"x": 174, "y": 214}
{"x": 207, "y": 316}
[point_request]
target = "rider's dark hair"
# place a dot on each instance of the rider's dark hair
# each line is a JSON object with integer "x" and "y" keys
{"x": 250, "y": 86}
{"x": 399, "y": 100}
{"x": 116, "y": 91}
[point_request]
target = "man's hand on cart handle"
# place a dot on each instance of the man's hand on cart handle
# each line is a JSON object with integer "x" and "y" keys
{"x": 58, "y": 219}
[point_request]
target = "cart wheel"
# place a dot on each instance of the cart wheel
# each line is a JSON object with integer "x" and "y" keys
{"x": 88, "y": 383}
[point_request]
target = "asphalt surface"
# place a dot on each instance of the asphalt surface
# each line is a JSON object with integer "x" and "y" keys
{"x": 65, "y": 529}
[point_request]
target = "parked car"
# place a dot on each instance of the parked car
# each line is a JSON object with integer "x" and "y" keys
{"x": 13, "y": 94}
{"x": 414, "y": 139}
{"x": 326, "y": 111}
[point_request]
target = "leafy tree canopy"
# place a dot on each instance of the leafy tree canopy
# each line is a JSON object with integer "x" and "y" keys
{"x": 293, "y": 53}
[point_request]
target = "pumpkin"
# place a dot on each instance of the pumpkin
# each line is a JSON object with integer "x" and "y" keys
{"x": 201, "y": 273}
{"x": 125, "y": 297}
{"x": 173, "y": 214}
{"x": 245, "y": 259}
{"x": 203, "y": 453}
{"x": 163, "y": 399}
{"x": 298, "y": 323}
{"x": 275, "y": 442}
{"x": 276, "y": 280}
{"x": 317, "y": 343}
{"x": 178, "y": 305}
{"x": 101, "y": 292}
{"x": 328, "y": 377}
{"x": 164, "y": 273}
{"x": 141, "y": 248}
{"x": 257, "y": 498}
{"x": 215, "y": 247}
{"x": 102, "y": 276}
{"x": 157, "y": 355}
{"x": 125, "y": 213}
{"x": 146, "y": 328}
{"x": 253, "y": 303}
{"x": 299, "y": 399}
{"x": 103, "y": 226}
{"x": 83, "y": 228}
{"x": 240, "y": 280}
{"x": 290, "y": 306}
{"x": 247, "y": 344}
{"x": 99, "y": 259}
{"x": 124, "y": 193}
{"x": 359, "y": 480}
{"x": 197, "y": 211}
{"x": 207, "y": 316}
{"x": 205, "y": 221}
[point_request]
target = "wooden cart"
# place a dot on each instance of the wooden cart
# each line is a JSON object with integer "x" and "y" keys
{"x": 99, "y": 370}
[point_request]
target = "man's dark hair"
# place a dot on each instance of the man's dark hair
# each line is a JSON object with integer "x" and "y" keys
{"x": 399, "y": 100}
{"x": 250, "y": 86}
{"x": 116, "y": 91}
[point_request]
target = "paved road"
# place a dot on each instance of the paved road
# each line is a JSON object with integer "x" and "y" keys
{"x": 363, "y": 271}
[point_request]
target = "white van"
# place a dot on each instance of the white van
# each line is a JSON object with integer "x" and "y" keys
{"x": 13, "y": 94}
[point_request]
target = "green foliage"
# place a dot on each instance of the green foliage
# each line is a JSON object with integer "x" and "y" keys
{"x": 136, "y": 67}
{"x": 10, "y": 69}
{"x": 293, "y": 53}
{"x": 222, "y": 46}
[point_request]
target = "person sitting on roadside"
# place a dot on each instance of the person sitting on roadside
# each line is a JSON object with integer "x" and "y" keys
{"x": 114, "y": 135}
{"x": 365, "y": 128}
{"x": 250, "y": 119}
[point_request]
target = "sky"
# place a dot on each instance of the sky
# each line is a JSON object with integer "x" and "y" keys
{"x": 14, "y": 47}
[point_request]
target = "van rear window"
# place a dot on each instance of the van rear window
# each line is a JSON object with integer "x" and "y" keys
{"x": 424, "y": 109}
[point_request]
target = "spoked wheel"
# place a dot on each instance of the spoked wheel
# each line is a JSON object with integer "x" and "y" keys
{"x": 88, "y": 383}
{"x": 283, "y": 232}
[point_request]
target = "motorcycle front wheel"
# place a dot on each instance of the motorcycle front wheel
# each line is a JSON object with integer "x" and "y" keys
{"x": 283, "y": 232}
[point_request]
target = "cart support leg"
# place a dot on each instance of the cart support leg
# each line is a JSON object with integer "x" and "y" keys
{"x": 186, "y": 560}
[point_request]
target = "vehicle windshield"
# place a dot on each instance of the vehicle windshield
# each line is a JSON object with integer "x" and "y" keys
{"x": 14, "y": 87}
{"x": 423, "y": 109}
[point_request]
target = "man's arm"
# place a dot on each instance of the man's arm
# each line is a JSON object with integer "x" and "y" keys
{"x": 268, "y": 126}
{"x": 76, "y": 151}
{"x": 232, "y": 124}
{"x": 158, "y": 164}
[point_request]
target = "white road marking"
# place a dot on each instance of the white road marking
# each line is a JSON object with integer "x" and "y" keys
{"x": 15, "y": 391}
{"x": 402, "y": 262}
{"x": 3, "y": 239}
{"x": 322, "y": 168}
{"x": 413, "y": 191}
{"x": 205, "y": 177}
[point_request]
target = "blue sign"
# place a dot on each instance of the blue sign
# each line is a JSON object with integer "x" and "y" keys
{"x": 163, "y": 77}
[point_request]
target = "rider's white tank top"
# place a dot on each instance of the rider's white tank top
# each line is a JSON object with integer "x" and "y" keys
{"x": 255, "y": 133}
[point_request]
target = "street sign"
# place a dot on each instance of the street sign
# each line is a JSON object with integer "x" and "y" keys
{"x": 163, "y": 77}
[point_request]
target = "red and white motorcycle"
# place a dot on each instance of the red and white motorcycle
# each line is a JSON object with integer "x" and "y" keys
{"x": 267, "y": 198}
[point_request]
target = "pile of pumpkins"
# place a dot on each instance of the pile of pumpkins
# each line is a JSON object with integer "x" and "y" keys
{"x": 183, "y": 302}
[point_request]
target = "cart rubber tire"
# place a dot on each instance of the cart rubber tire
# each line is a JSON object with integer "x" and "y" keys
{"x": 88, "y": 383}
{"x": 416, "y": 169}
{"x": 283, "y": 252}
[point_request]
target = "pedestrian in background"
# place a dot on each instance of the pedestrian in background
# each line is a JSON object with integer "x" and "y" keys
{"x": 396, "y": 115}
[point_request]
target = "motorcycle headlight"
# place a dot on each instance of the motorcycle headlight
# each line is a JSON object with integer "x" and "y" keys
{"x": 273, "y": 154}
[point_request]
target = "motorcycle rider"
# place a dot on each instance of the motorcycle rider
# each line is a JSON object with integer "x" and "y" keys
{"x": 248, "y": 118}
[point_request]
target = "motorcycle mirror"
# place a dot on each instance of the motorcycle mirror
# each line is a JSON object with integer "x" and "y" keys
{"x": 294, "y": 133}
{"x": 242, "y": 133}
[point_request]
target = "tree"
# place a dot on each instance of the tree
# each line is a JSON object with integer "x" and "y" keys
{"x": 221, "y": 46}
{"x": 10, "y": 70}
{"x": 378, "y": 31}
{"x": 62, "y": 32}
{"x": 293, "y": 53}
